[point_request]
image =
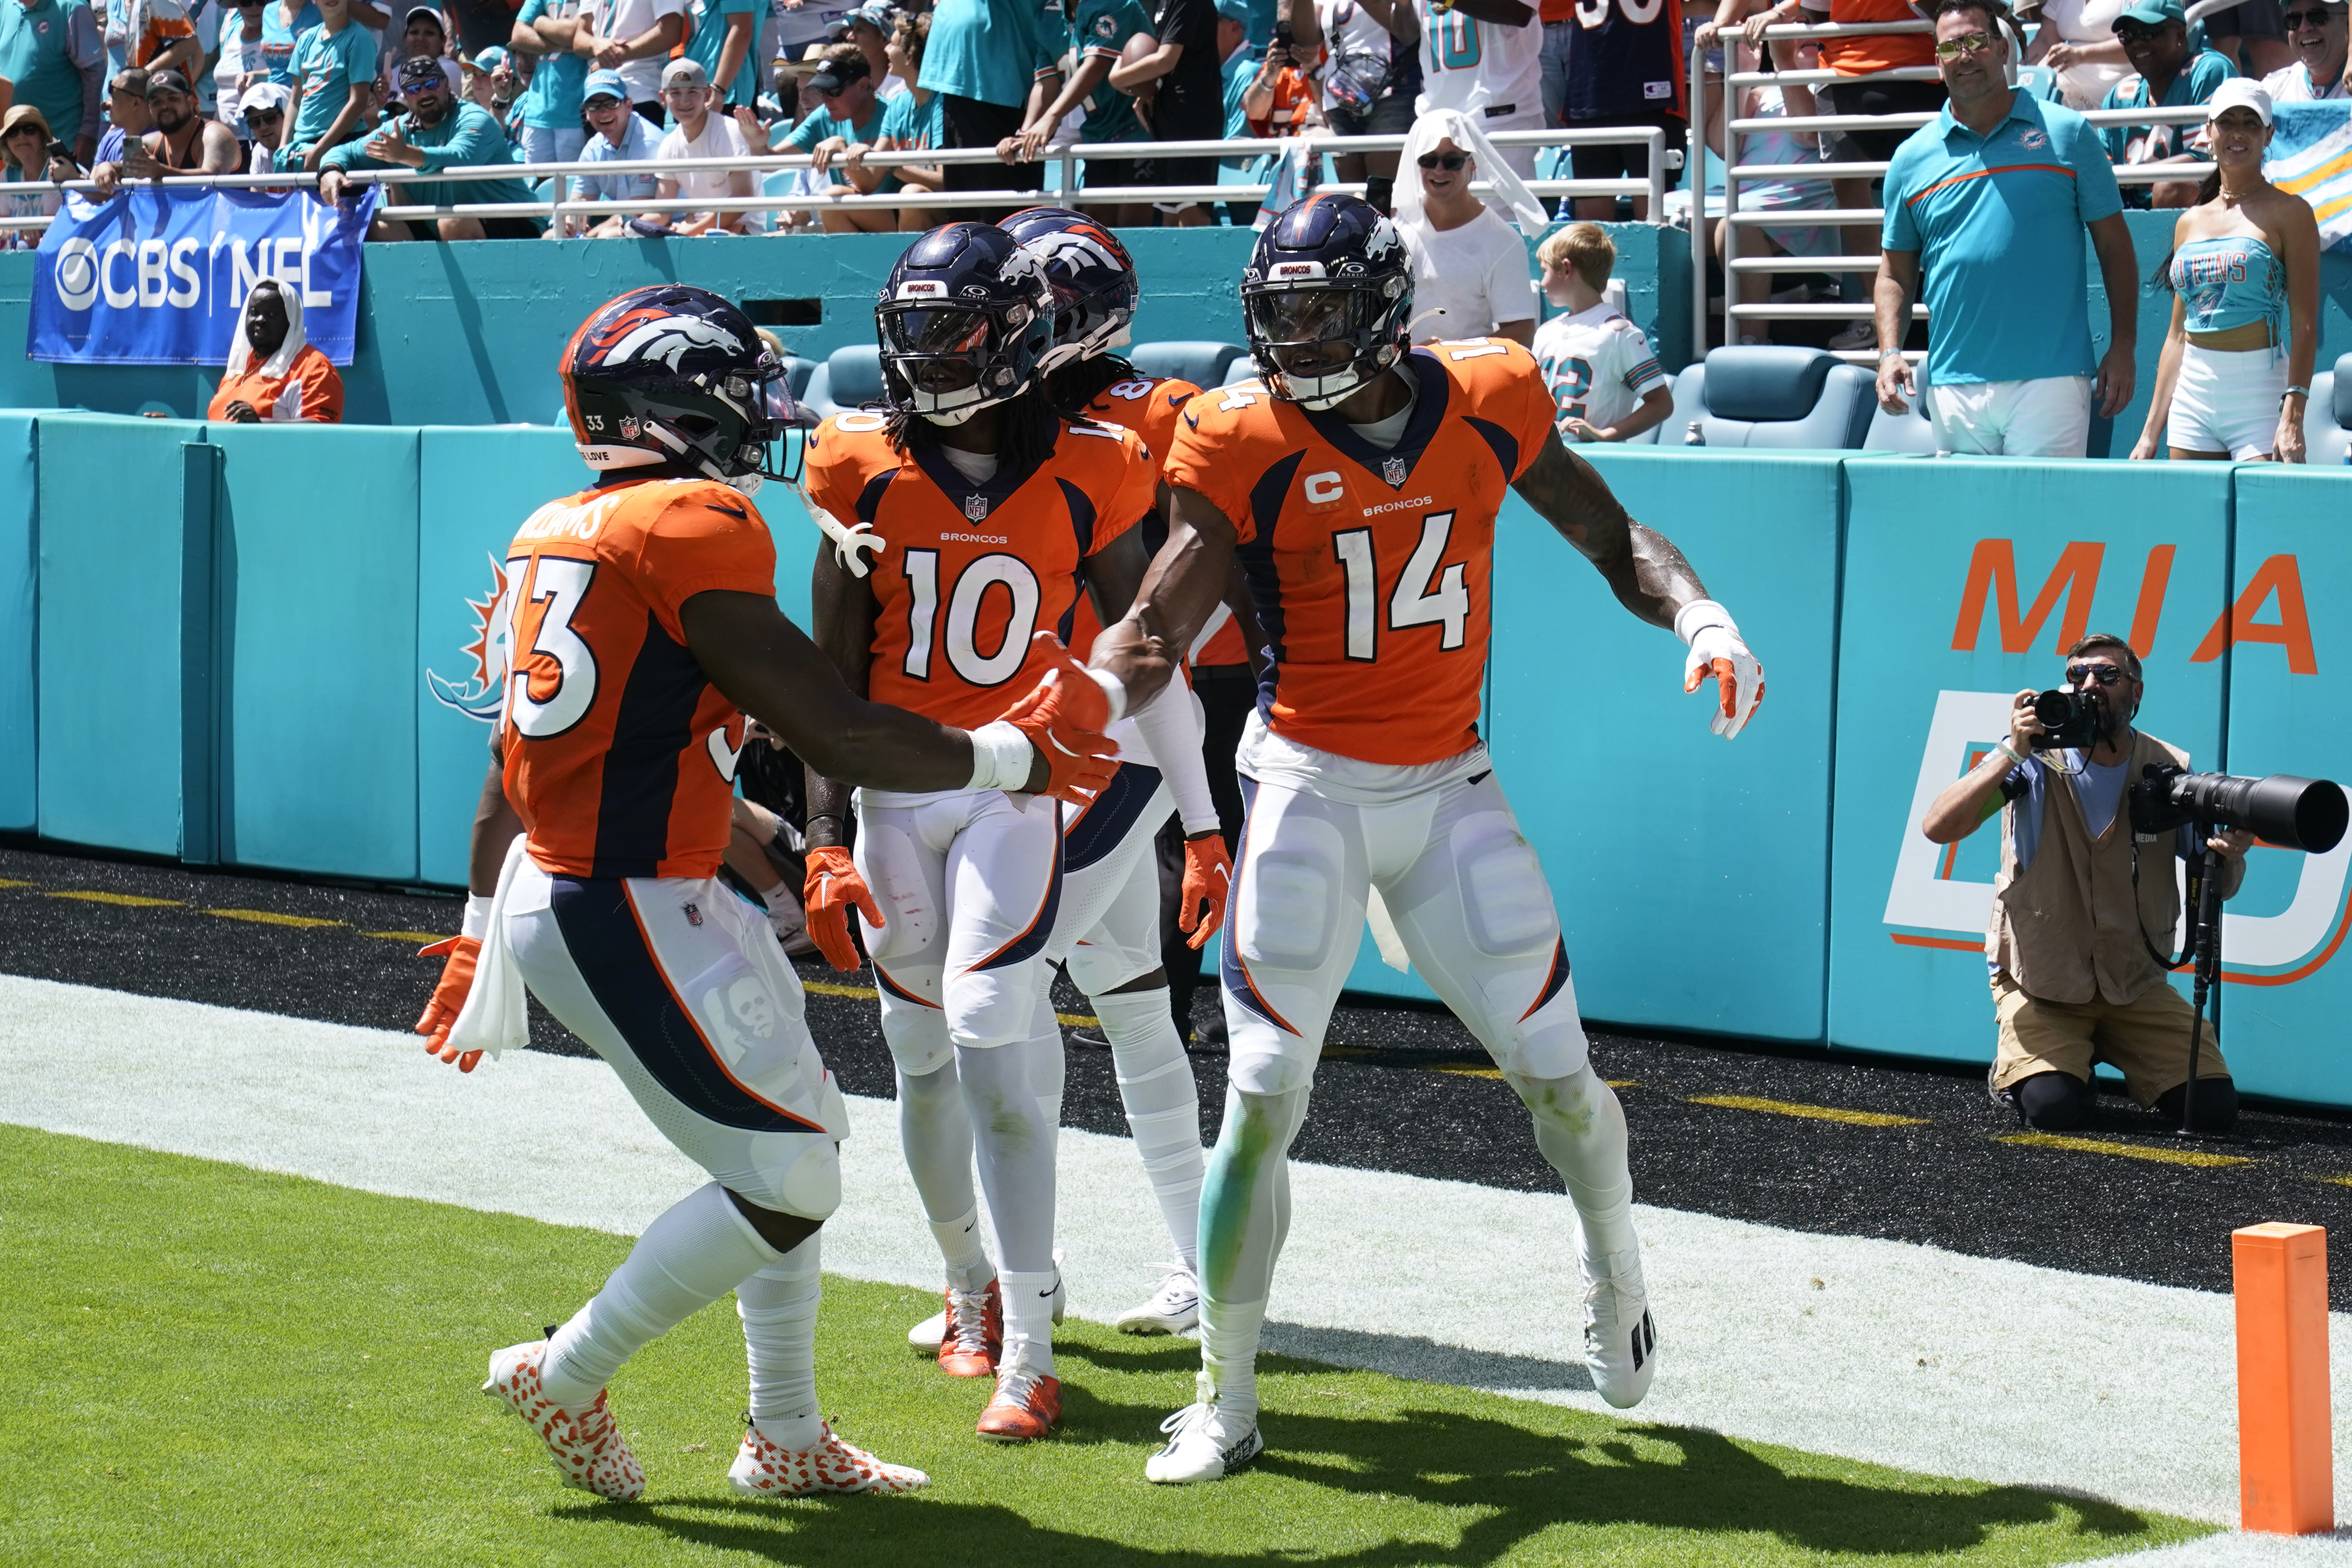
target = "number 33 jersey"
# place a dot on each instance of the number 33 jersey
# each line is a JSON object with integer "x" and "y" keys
{"x": 620, "y": 754}
{"x": 1371, "y": 570}
{"x": 970, "y": 570}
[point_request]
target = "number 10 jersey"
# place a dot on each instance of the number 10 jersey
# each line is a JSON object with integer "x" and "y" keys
{"x": 1371, "y": 570}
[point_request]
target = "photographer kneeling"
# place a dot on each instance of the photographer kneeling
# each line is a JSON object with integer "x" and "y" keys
{"x": 2081, "y": 906}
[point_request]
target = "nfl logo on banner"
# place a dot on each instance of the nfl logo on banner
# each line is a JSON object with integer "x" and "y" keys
{"x": 1392, "y": 470}
{"x": 976, "y": 507}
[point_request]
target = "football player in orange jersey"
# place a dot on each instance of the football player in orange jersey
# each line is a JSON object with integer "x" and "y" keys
{"x": 640, "y": 622}
{"x": 1359, "y": 482}
{"x": 985, "y": 510}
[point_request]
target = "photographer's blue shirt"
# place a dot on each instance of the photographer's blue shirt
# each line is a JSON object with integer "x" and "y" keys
{"x": 2099, "y": 789}
{"x": 1997, "y": 222}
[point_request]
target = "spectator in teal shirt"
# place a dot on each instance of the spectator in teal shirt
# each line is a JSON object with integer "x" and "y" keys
{"x": 545, "y": 31}
{"x": 984, "y": 56}
{"x": 440, "y": 131}
{"x": 334, "y": 71}
{"x": 911, "y": 122}
{"x": 720, "y": 36}
{"x": 51, "y": 51}
{"x": 282, "y": 26}
{"x": 1099, "y": 30}
{"x": 2172, "y": 75}
{"x": 852, "y": 115}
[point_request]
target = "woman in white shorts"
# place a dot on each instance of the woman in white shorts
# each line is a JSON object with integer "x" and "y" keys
{"x": 2244, "y": 272}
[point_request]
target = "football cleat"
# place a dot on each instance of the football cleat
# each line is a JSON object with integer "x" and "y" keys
{"x": 587, "y": 1448}
{"x": 763, "y": 1469}
{"x": 1620, "y": 1343}
{"x": 1205, "y": 1443}
{"x": 926, "y": 1336}
{"x": 973, "y": 1334}
{"x": 1173, "y": 1308}
{"x": 1024, "y": 1407}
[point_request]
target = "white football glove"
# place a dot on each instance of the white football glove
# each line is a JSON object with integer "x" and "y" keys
{"x": 849, "y": 541}
{"x": 1715, "y": 650}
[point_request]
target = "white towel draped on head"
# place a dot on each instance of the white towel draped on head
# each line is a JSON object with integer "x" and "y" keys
{"x": 240, "y": 349}
{"x": 1510, "y": 192}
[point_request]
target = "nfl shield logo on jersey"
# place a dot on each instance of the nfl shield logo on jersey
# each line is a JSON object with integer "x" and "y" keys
{"x": 1392, "y": 470}
{"x": 976, "y": 508}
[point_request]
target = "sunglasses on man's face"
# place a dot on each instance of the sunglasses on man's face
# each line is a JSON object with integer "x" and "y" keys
{"x": 602, "y": 105}
{"x": 2318, "y": 16}
{"x": 264, "y": 115}
{"x": 2105, "y": 674}
{"x": 1966, "y": 44}
{"x": 1449, "y": 162}
{"x": 2133, "y": 34}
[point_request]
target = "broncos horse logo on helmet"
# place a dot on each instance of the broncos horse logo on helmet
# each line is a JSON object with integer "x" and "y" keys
{"x": 1093, "y": 278}
{"x": 1326, "y": 300}
{"x": 965, "y": 322}
{"x": 673, "y": 374}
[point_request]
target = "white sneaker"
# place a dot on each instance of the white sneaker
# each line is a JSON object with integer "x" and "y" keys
{"x": 1855, "y": 335}
{"x": 589, "y": 1451}
{"x": 1205, "y": 1444}
{"x": 1174, "y": 1306}
{"x": 1620, "y": 1343}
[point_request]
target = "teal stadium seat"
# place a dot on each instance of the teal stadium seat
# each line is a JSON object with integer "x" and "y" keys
{"x": 797, "y": 373}
{"x": 849, "y": 378}
{"x": 1771, "y": 397}
{"x": 1204, "y": 364}
{"x": 2327, "y": 416}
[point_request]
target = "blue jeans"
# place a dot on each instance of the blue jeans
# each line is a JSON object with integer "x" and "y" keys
{"x": 1554, "y": 70}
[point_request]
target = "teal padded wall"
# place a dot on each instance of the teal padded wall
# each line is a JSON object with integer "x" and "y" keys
{"x": 1691, "y": 874}
{"x": 317, "y": 588}
{"x": 20, "y": 508}
{"x": 125, "y": 628}
{"x": 1965, "y": 579}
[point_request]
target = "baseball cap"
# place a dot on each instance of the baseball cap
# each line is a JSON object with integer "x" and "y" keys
{"x": 835, "y": 74}
{"x": 429, "y": 14}
{"x": 2239, "y": 92}
{"x": 879, "y": 15}
{"x": 264, "y": 96}
{"x": 604, "y": 84}
{"x": 684, "y": 73}
{"x": 166, "y": 81}
{"x": 2152, "y": 13}
{"x": 422, "y": 70}
{"x": 1235, "y": 11}
{"x": 490, "y": 60}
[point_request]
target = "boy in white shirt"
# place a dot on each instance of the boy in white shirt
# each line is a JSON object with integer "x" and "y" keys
{"x": 1603, "y": 376}
{"x": 699, "y": 133}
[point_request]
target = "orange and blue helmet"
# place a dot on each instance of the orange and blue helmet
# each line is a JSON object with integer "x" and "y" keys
{"x": 1327, "y": 299}
{"x": 1093, "y": 278}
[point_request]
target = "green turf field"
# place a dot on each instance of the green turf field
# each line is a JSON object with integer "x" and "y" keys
{"x": 203, "y": 1364}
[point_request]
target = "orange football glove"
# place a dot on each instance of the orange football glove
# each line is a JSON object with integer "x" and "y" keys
{"x": 449, "y": 997}
{"x": 832, "y": 885}
{"x": 1208, "y": 878}
{"x": 1064, "y": 716}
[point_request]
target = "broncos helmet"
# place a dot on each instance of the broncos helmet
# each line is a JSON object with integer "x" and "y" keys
{"x": 1092, "y": 279}
{"x": 965, "y": 322}
{"x": 1326, "y": 300}
{"x": 673, "y": 374}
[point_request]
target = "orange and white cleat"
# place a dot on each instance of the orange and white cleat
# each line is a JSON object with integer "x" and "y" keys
{"x": 587, "y": 1448}
{"x": 974, "y": 1336}
{"x": 1026, "y": 1407}
{"x": 761, "y": 1469}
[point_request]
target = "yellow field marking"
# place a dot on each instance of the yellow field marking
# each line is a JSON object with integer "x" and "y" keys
{"x": 127, "y": 899}
{"x": 827, "y": 989}
{"x": 1078, "y": 1021}
{"x": 266, "y": 918}
{"x": 1810, "y": 1113}
{"x": 1465, "y": 1070}
{"x": 11, "y": 882}
{"x": 2130, "y": 1151}
{"x": 408, "y": 935}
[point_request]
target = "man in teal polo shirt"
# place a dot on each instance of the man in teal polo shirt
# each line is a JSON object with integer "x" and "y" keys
{"x": 440, "y": 131}
{"x": 51, "y": 51}
{"x": 1992, "y": 197}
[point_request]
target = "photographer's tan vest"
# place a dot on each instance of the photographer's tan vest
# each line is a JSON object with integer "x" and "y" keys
{"x": 2065, "y": 927}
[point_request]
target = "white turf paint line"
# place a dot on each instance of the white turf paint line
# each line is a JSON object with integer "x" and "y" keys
{"x": 1902, "y": 1355}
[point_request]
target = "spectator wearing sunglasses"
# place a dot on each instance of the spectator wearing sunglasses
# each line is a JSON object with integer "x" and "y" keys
{"x": 2321, "y": 40}
{"x": 1989, "y": 202}
{"x": 1470, "y": 273}
{"x": 263, "y": 109}
{"x": 2079, "y": 908}
{"x": 2155, "y": 37}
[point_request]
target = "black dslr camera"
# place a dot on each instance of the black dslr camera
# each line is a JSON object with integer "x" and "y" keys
{"x": 2070, "y": 719}
{"x": 2293, "y": 813}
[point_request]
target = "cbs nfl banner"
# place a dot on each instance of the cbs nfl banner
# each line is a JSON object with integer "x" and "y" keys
{"x": 158, "y": 277}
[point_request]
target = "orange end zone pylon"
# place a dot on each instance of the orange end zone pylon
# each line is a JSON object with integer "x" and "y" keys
{"x": 2285, "y": 1461}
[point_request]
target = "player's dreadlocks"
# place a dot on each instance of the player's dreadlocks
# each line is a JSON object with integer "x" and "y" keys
{"x": 1028, "y": 429}
{"x": 1079, "y": 383}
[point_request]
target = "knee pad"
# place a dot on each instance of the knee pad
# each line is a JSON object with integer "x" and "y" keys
{"x": 2217, "y": 1104}
{"x": 807, "y": 1182}
{"x": 1505, "y": 901}
{"x": 917, "y": 1034}
{"x": 2054, "y": 1102}
{"x": 1287, "y": 905}
{"x": 1262, "y": 1071}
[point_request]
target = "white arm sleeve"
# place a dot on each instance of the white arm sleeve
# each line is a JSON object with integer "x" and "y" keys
{"x": 1171, "y": 724}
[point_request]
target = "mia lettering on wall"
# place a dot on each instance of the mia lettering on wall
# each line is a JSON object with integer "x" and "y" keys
{"x": 157, "y": 276}
{"x": 1965, "y": 581}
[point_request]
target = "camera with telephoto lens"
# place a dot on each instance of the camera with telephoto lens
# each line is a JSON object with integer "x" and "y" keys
{"x": 2071, "y": 721}
{"x": 2293, "y": 813}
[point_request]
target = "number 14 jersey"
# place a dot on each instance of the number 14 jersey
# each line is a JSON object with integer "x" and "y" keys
{"x": 1372, "y": 571}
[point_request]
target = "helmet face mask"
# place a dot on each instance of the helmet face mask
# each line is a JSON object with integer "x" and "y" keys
{"x": 674, "y": 375}
{"x": 964, "y": 322}
{"x": 1327, "y": 301}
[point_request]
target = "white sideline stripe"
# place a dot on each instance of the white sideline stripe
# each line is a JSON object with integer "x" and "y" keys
{"x": 2111, "y": 1388}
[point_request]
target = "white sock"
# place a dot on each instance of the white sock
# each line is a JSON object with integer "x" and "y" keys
{"x": 966, "y": 1255}
{"x": 1229, "y": 1335}
{"x": 1164, "y": 1107}
{"x": 778, "y": 1306}
{"x": 696, "y": 1252}
{"x": 935, "y": 1131}
{"x": 784, "y": 911}
{"x": 1580, "y": 1128}
{"x": 1029, "y": 1319}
